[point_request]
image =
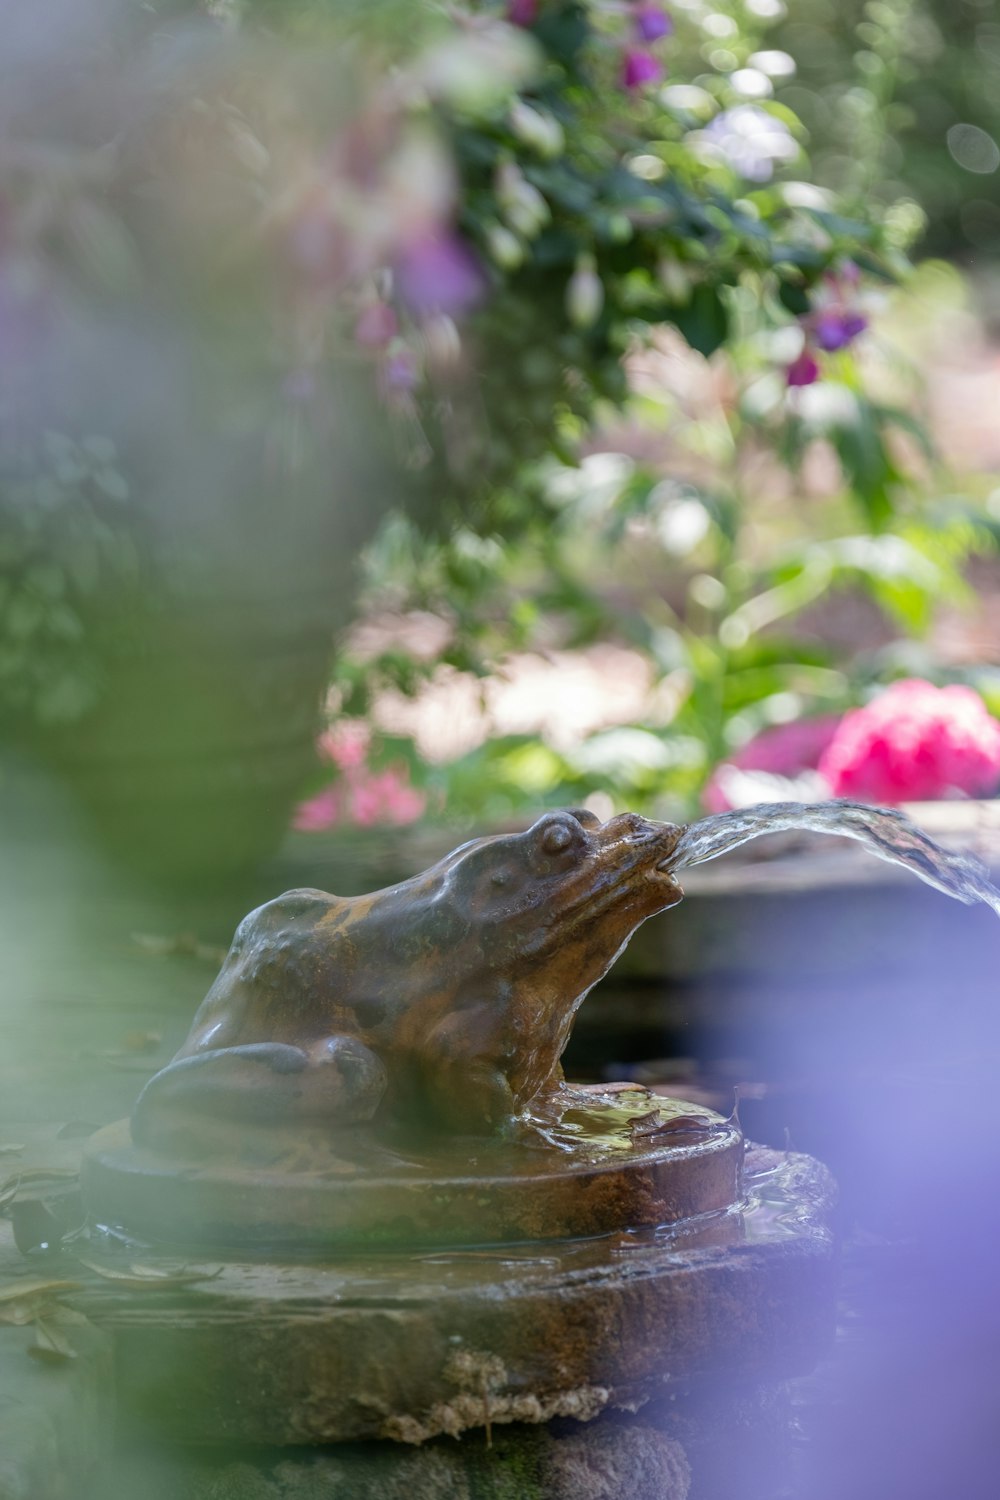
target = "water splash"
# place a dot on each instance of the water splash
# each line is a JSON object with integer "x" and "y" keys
{"x": 888, "y": 833}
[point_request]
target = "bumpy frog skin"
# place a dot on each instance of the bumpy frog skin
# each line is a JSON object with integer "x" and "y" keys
{"x": 446, "y": 1000}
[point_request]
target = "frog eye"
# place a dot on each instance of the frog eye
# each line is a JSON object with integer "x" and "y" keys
{"x": 557, "y": 837}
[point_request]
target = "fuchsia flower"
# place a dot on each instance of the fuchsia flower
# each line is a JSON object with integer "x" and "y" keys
{"x": 651, "y": 22}
{"x": 522, "y": 12}
{"x": 836, "y": 327}
{"x": 804, "y": 370}
{"x": 438, "y": 273}
{"x": 359, "y": 796}
{"x": 833, "y": 323}
{"x": 915, "y": 742}
{"x": 640, "y": 68}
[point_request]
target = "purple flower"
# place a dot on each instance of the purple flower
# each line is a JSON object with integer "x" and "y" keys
{"x": 651, "y": 21}
{"x": 400, "y": 372}
{"x": 835, "y": 328}
{"x": 640, "y": 68}
{"x": 803, "y": 371}
{"x": 522, "y": 12}
{"x": 439, "y": 274}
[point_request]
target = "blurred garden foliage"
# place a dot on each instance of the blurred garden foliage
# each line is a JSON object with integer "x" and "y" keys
{"x": 761, "y": 477}
{"x": 619, "y": 280}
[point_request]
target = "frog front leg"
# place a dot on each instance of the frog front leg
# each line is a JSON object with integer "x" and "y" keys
{"x": 465, "y": 1071}
{"x": 336, "y": 1080}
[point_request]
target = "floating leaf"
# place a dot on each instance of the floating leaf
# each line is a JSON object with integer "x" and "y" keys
{"x": 35, "y": 1174}
{"x": 76, "y": 1130}
{"x": 149, "y": 1276}
{"x": 20, "y": 1314}
{"x": 51, "y": 1346}
{"x": 27, "y": 1291}
{"x": 652, "y": 1126}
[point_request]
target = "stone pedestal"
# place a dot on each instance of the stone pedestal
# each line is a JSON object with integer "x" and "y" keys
{"x": 408, "y": 1345}
{"x": 604, "y": 1158}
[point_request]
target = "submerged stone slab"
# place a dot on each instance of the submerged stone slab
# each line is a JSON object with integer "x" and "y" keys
{"x": 606, "y": 1460}
{"x": 608, "y": 1158}
{"x": 409, "y": 1345}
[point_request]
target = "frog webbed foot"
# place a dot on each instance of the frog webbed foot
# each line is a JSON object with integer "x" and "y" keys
{"x": 474, "y": 1099}
{"x": 336, "y": 1080}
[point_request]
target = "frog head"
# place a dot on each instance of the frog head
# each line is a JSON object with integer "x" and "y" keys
{"x": 569, "y": 892}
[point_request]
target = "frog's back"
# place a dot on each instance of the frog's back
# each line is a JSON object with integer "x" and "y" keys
{"x": 282, "y": 978}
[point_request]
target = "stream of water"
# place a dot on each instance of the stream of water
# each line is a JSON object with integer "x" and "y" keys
{"x": 885, "y": 831}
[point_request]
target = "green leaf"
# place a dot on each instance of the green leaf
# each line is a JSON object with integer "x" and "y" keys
{"x": 704, "y": 321}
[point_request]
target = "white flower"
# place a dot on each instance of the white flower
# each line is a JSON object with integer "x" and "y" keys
{"x": 750, "y": 140}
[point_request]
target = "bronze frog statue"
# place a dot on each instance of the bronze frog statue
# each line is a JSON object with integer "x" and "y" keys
{"x": 446, "y": 1000}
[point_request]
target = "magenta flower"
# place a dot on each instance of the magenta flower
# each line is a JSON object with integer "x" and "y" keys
{"x": 651, "y": 21}
{"x": 522, "y": 12}
{"x": 802, "y": 371}
{"x": 439, "y": 274}
{"x": 640, "y": 68}
{"x": 376, "y": 327}
{"x": 835, "y": 327}
{"x": 786, "y": 750}
{"x": 915, "y": 742}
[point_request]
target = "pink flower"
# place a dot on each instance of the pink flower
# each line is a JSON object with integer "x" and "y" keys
{"x": 915, "y": 742}
{"x": 386, "y": 798}
{"x": 345, "y": 746}
{"x": 640, "y": 68}
{"x": 438, "y": 273}
{"x": 651, "y": 21}
{"x": 786, "y": 750}
{"x": 359, "y": 796}
{"x": 321, "y": 811}
{"x": 376, "y": 326}
{"x": 802, "y": 371}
